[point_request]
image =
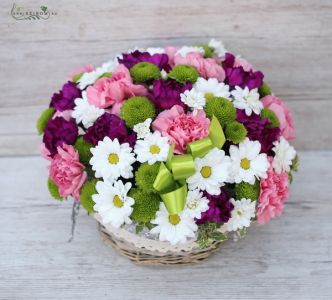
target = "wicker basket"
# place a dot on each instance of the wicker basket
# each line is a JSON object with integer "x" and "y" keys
{"x": 145, "y": 251}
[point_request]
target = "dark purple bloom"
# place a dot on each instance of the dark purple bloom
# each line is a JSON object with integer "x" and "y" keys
{"x": 258, "y": 130}
{"x": 58, "y": 131}
{"x": 166, "y": 93}
{"x": 238, "y": 76}
{"x": 131, "y": 139}
{"x": 106, "y": 125}
{"x": 131, "y": 59}
{"x": 65, "y": 98}
{"x": 220, "y": 208}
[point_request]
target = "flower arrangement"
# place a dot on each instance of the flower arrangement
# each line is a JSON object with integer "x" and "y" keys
{"x": 183, "y": 143}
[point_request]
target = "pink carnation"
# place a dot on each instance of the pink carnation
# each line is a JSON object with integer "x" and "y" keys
{"x": 274, "y": 192}
{"x": 67, "y": 172}
{"x": 283, "y": 114}
{"x": 181, "y": 128}
{"x": 112, "y": 91}
{"x": 87, "y": 68}
{"x": 44, "y": 152}
{"x": 207, "y": 67}
{"x": 170, "y": 51}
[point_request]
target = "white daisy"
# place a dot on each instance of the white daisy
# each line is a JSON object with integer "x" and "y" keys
{"x": 196, "y": 204}
{"x": 284, "y": 154}
{"x": 183, "y": 51}
{"x": 91, "y": 77}
{"x": 143, "y": 129}
{"x": 173, "y": 228}
{"x": 85, "y": 112}
{"x": 211, "y": 172}
{"x": 241, "y": 215}
{"x": 212, "y": 88}
{"x": 247, "y": 162}
{"x": 193, "y": 99}
{"x": 247, "y": 100}
{"x": 155, "y": 50}
{"x": 112, "y": 202}
{"x": 110, "y": 159}
{"x": 218, "y": 47}
{"x": 152, "y": 149}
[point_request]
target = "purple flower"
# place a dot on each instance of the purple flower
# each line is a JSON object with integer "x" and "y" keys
{"x": 65, "y": 98}
{"x": 219, "y": 208}
{"x": 131, "y": 139}
{"x": 131, "y": 59}
{"x": 58, "y": 131}
{"x": 166, "y": 93}
{"x": 258, "y": 130}
{"x": 107, "y": 125}
{"x": 238, "y": 76}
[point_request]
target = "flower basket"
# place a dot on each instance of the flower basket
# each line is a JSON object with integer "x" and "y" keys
{"x": 144, "y": 251}
{"x": 171, "y": 149}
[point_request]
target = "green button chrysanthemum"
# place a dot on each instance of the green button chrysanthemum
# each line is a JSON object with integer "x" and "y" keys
{"x": 222, "y": 109}
{"x": 146, "y": 205}
{"x": 43, "y": 119}
{"x": 247, "y": 190}
{"x": 144, "y": 72}
{"x": 184, "y": 73}
{"x": 235, "y": 132}
{"x": 136, "y": 110}
{"x": 146, "y": 175}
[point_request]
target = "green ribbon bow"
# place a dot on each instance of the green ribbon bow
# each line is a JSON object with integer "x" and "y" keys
{"x": 170, "y": 182}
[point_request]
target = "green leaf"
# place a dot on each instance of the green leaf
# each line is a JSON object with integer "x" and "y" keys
{"x": 218, "y": 236}
{"x": 264, "y": 90}
{"x": 43, "y": 119}
{"x": 149, "y": 225}
{"x": 242, "y": 232}
{"x": 139, "y": 228}
{"x": 290, "y": 177}
{"x": 106, "y": 74}
{"x": 77, "y": 77}
{"x": 53, "y": 189}
{"x": 295, "y": 163}
{"x": 87, "y": 190}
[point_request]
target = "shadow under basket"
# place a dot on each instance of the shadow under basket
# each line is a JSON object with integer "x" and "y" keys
{"x": 144, "y": 251}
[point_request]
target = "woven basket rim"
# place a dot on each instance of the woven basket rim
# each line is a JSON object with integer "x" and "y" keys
{"x": 142, "y": 256}
{"x": 146, "y": 243}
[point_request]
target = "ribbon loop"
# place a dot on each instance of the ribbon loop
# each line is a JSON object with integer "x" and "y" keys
{"x": 200, "y": 148}
{"x": 164, "y": 181}
{"x": 175, "y": 200}
{"x": 182, "y": 166}
{"x": 170, "y": 182}
{"x": 216, "y": 135}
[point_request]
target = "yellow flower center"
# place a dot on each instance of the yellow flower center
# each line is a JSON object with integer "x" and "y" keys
{"x": 113, "y": 158}
{"x": 192, "y": 204}
{"x": 206, "y": 171}
{"x": 154, "y": 149}
{"x": 208, "y": 96}
{"x": 174, "y": 219}
{"x": 245, "y": 163}
{"x": 117, "y": 201}
{"x": 239, "y": 212}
